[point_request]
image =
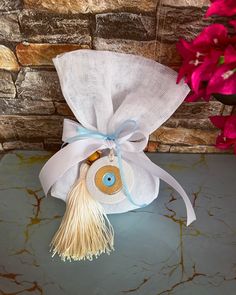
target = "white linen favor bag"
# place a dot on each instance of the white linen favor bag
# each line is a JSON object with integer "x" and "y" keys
{"x": 118, "y": 100}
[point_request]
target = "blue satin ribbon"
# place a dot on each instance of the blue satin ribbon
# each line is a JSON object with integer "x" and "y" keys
{"x": 87, "y": 133}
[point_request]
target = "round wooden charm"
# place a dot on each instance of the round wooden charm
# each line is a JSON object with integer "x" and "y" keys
{"x": 104, "y": 181}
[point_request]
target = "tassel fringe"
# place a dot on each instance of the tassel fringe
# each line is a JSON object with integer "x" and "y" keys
{"x": 85, "y": 231}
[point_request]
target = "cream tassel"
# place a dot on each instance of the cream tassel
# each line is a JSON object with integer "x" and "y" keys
{"x": 85, "y": 231}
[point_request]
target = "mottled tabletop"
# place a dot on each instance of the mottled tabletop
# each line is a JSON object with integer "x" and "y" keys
{"x": 155, "y": 252}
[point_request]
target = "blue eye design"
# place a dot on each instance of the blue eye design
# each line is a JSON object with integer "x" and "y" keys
{"x": 109, "y": 179}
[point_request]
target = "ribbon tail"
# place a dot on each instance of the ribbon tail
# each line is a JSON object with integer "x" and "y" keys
{"x": 122, "y": 175}
{"x": 66, "y": 158}
{"x": 155, "y": 170}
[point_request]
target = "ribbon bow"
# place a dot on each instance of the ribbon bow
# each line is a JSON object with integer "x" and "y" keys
{"x": 128, "y": 142}
{"x": 122, "y": 135}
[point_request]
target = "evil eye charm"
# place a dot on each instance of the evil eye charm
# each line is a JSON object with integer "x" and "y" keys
{"x": 104, "y": 181}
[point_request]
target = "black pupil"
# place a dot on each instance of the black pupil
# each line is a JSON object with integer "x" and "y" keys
{"x": 109, "y": 178}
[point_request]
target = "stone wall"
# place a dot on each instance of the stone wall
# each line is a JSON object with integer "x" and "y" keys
{"x": 33, "y": 31}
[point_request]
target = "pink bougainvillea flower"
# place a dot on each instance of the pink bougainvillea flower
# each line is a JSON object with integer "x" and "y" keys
{"x": 222, "y": 8}
{"x": 224, "y": 79}
{"x": 194, "y": 53}
{"x": 227, "y": 138}
{"x": 215, "y": 35}
{"x": 188, "y": 54}
{"x": 194, "y": 96}
{"x": 205, "y": 71}
{"x": 201, "y": 58}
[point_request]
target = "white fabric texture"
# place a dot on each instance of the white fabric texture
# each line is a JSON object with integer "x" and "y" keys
{"x": 104, "y": 89}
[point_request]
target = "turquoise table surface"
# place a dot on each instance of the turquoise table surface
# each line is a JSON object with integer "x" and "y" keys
{"x": 155, "y": 253}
